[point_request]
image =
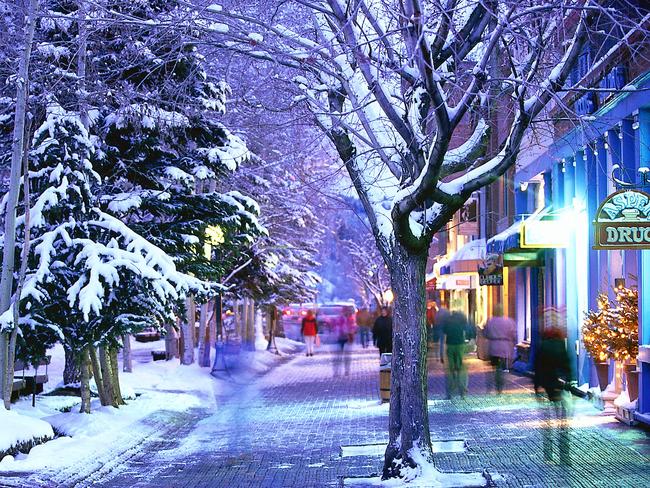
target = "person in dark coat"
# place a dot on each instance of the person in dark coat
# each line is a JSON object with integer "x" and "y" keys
{"x": 382, "y": 332}
{"x": 552, "y": 371}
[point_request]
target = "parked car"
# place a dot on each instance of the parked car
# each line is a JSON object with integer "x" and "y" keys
{"x": 329, "y": 314}
{"x": 292, "y": 316}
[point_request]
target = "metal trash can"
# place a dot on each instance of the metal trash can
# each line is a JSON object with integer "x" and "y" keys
{"x": 384, "y": 376}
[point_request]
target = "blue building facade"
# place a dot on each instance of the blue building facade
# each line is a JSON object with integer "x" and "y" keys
{"x": 557, "y": 196}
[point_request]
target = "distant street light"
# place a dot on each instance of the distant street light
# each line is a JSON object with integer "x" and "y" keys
{"x": 388, "y": 296}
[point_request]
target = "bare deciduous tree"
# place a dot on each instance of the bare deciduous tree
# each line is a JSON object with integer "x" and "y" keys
{"x": 8, "y": 258}
{"x": 406, "y": 91}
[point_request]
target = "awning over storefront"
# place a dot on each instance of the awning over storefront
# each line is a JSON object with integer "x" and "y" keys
{"x": 510, "y": 243}
{"x": 468, "y": 258}
{"x": 508, "y": 239}
{"x": 457, "y": 282}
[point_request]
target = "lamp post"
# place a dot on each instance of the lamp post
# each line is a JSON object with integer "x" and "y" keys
{"x": 213, "y": 238}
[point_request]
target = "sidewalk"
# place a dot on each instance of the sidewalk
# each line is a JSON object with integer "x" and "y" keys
{"x": 286, "y": 429}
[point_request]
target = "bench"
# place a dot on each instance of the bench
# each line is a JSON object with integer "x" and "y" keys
{"x": 17, "y": 386}
{"x": 148, "y": 335}
{"x": 32, "y": 383}
{"x": 159, "y": 355}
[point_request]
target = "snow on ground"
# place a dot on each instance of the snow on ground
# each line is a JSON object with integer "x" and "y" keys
{"x": 152, "y": 387}
{"x": 423, "y": 475}
{"x": 19, "y": 428}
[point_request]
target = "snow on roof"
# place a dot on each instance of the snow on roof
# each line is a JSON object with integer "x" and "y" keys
{"x": 502, "y": 241}
{"x": 467, "y": 258}
{"x": 472, "y": 250}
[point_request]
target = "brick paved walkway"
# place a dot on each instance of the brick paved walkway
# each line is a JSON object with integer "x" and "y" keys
{"x": 286, "y": 429}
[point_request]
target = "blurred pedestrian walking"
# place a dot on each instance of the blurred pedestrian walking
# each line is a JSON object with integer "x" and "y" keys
{"x": 309, "y": 330}
{"x": 454, "y": 326}
{"x": 344, "y": 328}
{"x": 501, "y": 332}
{"x": 382, "y": 332}
{"x": 433, "y": 331}
{"x": 350, "y": 324}
{"x": 552, "y": 371}
{"x": 364, "y": 322}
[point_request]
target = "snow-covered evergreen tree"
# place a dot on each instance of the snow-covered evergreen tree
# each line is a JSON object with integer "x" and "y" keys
{"x": 90, "y": 278}
{"x": 165, "y": 149}
{"x": 147, "y": 112}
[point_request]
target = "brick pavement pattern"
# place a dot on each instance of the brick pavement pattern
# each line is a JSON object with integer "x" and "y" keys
{"x": 286, "y": 429}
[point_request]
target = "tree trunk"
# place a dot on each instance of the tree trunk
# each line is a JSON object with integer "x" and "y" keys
{"x": 212, "y": 327}
{"x": 72, "y": 369}
{"x": 9, "y": 371}
{"x": 272, "y": 319}
{"x": 171, "y": 342}
{"x": 251, "y": 324}
{"x": 107, "y": 385}
{"x": 187, "y": 331}
{"x": 115, "y": 378}
{"x": 84, "y": 371}
{"x": 269, "y": 326}
{"x": 243, "y": 321}
{"x": 236, "y": 317}
{"x": 408, "y": 420}
{"x": 127, "y": 358}
{"x": 9, "y": 249}
{"x": 247, "y": 321}
{"x": 97, "y": 373}
{"x": 279, "y": 325}
{"x": 204, "y": 336}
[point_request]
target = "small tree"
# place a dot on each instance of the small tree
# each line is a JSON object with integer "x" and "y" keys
{"x": 612, "y": 330}
{"x": 596, "y": 330}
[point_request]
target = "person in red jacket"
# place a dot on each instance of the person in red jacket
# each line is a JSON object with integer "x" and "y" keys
{"x": 309, "y": 330}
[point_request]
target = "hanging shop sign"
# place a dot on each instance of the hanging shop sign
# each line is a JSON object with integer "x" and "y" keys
{"x": 491, "y": 272}
{"x": 468, "y": 222}
{"x": 623, "y": 221}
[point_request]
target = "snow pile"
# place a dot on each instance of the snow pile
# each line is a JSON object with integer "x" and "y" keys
{"x": 623, "y": 401}
{"x": 423, "y": 475}
{"x": 164, "y": 385}
{"x": 160, "y": 386}
{"x": 18, "y": 430}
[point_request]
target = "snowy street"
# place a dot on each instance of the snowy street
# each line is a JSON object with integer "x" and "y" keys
{"x": 286, "y": 428}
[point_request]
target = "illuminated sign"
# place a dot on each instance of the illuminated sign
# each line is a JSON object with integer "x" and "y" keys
{"x": 548, "y": 231}
{"x": 623, "y": 221}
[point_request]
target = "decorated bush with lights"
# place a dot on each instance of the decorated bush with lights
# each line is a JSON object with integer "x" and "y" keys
{"x": 612, "y": 330}
{"x": 625, "y": 338}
